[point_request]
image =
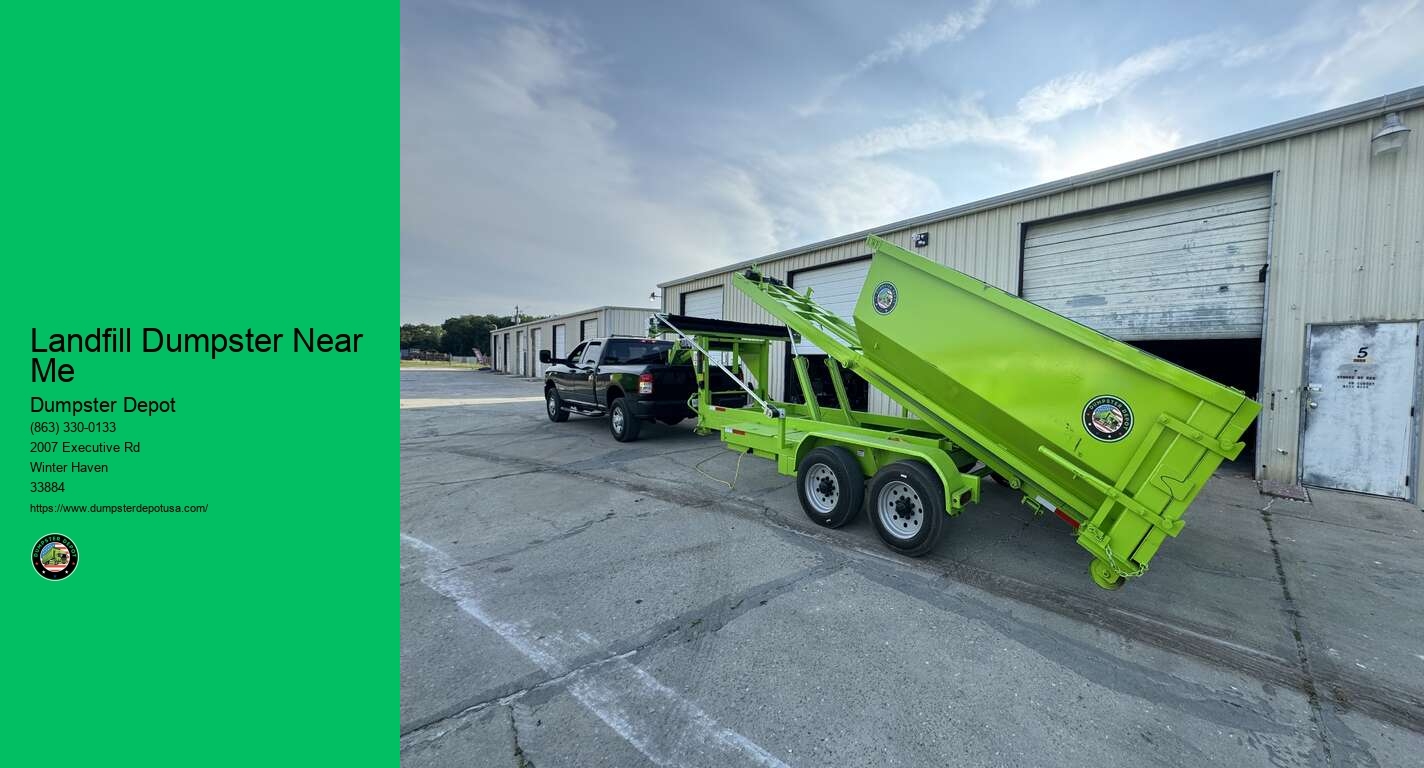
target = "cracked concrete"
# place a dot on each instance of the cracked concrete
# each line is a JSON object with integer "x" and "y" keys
{"x": 758, "y": 625}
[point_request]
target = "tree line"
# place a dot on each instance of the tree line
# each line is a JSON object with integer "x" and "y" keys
{"x": 457, "y": 335}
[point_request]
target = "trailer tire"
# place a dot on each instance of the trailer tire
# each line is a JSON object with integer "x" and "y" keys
{"x": 554, "y": 405}
{"x": 830, "y": 486}
{"x": 622, "y": 423}
{"x": 906, "y": 501}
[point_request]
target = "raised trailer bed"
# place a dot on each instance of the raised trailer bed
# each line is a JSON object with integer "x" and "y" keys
{"x": 1113, "y": 440}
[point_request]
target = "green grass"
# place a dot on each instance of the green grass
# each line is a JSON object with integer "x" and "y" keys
{"x": 439, "y": 364}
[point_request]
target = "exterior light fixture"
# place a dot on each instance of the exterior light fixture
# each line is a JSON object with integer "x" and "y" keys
{"x": 653, "y": 296}
{"x": 1391, "y": 135}
{"x": 923, "y": 239}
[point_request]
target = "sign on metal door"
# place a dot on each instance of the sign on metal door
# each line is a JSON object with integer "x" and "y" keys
{"x": 1359, "y": 401}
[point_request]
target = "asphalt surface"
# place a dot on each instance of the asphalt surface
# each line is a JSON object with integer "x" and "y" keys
{"x": 567, "y": 600}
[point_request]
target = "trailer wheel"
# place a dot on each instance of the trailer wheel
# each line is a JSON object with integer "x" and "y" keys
{"x": 830, "y": 485}
{"x": 555, "y": 405}
{"x": 1104, "y": 575}
{"x": 907, "y": 507}
{"x": 622, "y": 423}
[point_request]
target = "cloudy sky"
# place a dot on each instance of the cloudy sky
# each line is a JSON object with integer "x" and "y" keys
{"x": 562, "y": 155}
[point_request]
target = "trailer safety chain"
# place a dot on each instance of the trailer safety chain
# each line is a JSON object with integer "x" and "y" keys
{"x": 732, "y": 486}
{"x": 1119, "y": 570}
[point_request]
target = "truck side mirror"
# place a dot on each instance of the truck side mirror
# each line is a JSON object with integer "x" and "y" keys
{"x": 545, "y": 356}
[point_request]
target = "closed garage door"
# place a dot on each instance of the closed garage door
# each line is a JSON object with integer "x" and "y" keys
{"x": 588, "y": 329}
{"x": 561, "y": 333}
{"x": 1188, "y": 267}
{"x": 835, "y": 288}
{"x": 707, "y": 303}
{"x": 536, "y": 343}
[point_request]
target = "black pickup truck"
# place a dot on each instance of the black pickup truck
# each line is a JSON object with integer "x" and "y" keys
{"x": 628, "y": 379}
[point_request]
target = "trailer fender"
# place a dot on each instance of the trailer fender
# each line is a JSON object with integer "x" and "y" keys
{"x": 875, "y": 452}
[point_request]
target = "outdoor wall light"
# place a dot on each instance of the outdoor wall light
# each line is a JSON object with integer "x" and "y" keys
{"x": 1391, "y": 135}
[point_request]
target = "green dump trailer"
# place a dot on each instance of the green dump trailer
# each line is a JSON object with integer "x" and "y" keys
{"x": 1111, "y": 439}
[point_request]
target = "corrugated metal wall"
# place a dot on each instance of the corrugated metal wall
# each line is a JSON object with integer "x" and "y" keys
{"x": 1347, "y": 243}
{"x": 630, "y": 321}
{"x": 626, "y": 321}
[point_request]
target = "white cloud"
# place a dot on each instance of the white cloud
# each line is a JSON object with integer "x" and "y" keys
{"x": 819, "y": 196}
{"x": 1119, "y": 140}
{"x": 515, "y": 188}
{"x": 907, "y": 42}
{"x": 1384, "y": 38}
{"x": 1090, "y": 88}
{"x": 965, "y": 123}
{"x": 1127, "y": 135}
{"x": 918, "y": 39}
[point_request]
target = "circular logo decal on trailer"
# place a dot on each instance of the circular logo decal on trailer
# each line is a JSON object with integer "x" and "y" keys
{"x": 55, "y": 556}
{"x": 1107, "y": 418}
{"x": 885, "y": 298}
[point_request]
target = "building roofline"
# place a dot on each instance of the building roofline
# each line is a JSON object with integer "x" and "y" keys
{"x": 1330, "y": 118}
{"x": 555, "y": 318}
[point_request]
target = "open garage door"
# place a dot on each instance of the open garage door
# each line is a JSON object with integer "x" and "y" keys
{"x": 835, "y": 288}
{"x": 1186, "y": 267}
{"x": 706, "y": 303}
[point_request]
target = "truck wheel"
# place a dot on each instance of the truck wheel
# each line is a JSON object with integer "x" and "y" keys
{"x": 555, "y": 406}
{"x": 907, "y": 507}
{"x": 830, "y": 485}
{"x": 622, "y": 423}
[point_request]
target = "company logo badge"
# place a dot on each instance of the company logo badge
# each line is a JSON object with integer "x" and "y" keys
{"x": 1107, "y": 418}
{"x": 55, "y": 556}
{"x": 885, "y": 298}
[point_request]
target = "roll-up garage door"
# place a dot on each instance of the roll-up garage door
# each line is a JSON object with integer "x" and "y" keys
{"x": 536, "y": 343}
{"x": 588, "y": 329}
{"x": 835, "y": 288}
{"x": 706, "y": 303}
{"x": 561, "y": 333}
{"x": 1187, "y": 267}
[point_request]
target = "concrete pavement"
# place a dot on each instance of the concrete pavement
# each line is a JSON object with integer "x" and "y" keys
{"x": 569, "y": 600}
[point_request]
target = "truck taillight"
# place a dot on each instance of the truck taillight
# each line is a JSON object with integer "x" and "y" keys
{"x": 645, "y": 384}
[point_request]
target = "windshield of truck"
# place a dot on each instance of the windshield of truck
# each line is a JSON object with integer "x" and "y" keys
{"x": 636, "y": 352}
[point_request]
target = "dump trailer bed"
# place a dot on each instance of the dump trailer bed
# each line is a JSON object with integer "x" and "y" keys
{"x": 1112, "y": 439}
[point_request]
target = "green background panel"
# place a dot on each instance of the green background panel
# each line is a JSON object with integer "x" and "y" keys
{"x": 206, "y": 168}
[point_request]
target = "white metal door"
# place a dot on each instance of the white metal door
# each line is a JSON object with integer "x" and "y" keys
{"x": 588, "y": 329}
{"x": 560, "y": 332}
{"x": 1360, "y": 402}
{"x": 536, "y": 343}
{"x": 705, "y": 303}
{"x": 835, "y": 288}
{"x": 1187, "y": 267}
{"x": 520, "y": 354}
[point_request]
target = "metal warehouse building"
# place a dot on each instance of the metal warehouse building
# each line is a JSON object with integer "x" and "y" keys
{"x": 516, "y": 347}
{"x": 1286, "y": 261}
